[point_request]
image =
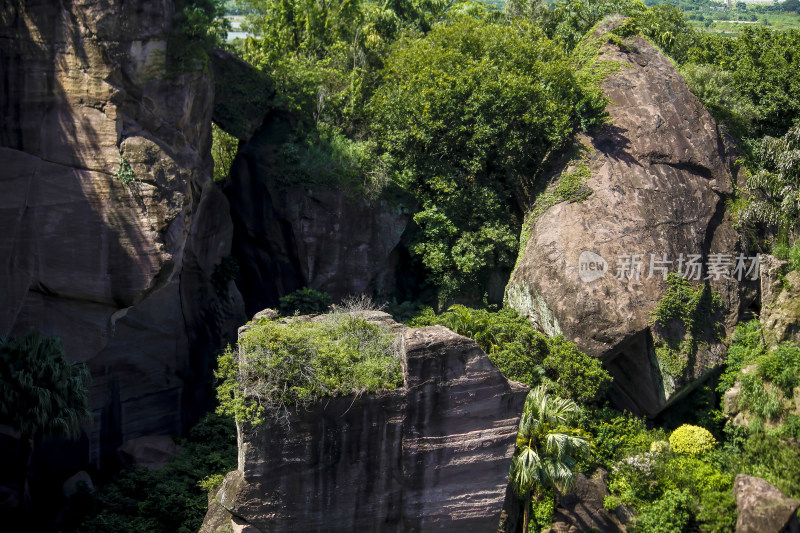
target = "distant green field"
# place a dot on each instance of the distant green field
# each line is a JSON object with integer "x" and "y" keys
{"x": 717, "y": 17}
{"x": 709, "y": 15}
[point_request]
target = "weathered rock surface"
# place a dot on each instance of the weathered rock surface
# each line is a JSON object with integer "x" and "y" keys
{"x": 660, "y": 173}
{"x": 151, "y": 451}
{"x": 780, "y": 301}
{"x": 289, "y": 236}
{"x": 243, "y": 95}
{"x": 762, "y": 508}
{"x": 120, "y": 272}
{"x": 581, "y": 509}
{"x": 433, "y": 455}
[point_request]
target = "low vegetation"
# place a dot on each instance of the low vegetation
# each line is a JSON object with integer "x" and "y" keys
{"x": 291, "y": 364}
{"x": 171, "y": 500}
{"x": 524, "y": 354}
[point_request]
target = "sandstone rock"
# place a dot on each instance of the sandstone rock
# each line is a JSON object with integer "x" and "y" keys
{"x": 269, "y": 314}
{"x": 152, "y": 452}
{"x": 72, "y": 485}
{"x": 243, "y": 95}
{"x": 762, "y": 508}
{"x": 327, "y": 238}
{"x": 780, "y": 301}
{"x": 119, "y": 271}
{"x": 581, "y": 509}
{"x": 659, "y": 176}
{"x": 433, "y": 455}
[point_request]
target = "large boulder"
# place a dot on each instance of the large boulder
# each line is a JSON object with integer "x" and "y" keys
{"x": 581, "y": 509}
{"x": 328, "y": 237}
{"x": 762, "y": 508}
{"x": 116, "y": 262}
{"x": 659, "y": 174}
{"x": 780, "y": 301}
{"x": 433, "y": 455}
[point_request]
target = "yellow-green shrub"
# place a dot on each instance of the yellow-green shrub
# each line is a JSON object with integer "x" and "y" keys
{"x": 691, "y": 440}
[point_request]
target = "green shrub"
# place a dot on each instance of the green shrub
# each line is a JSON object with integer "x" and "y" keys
{"x": 669, "y": 514}
{"x": 611, "y": 503}
{"x": 747, "y": 344}
{"x": 304, "y": 301}
{"x": 198, "y": 26}
{"x": 171, "y": 500}
{"x": 465, "y": 116}
{"x": 788, "y": 253}
{"x": 223, "y": 150}
{"x": 781, "y": 367}
{"x": 125, "y": 173}
{"x": 297, "y": 363}
{"x": 762, "y": 402}
{"x": 696, "y": 311}
{"x": 691, "y": 440}
{"x": 767, "y": 457}
{"x": 618, "y": 435}
{"x": 523, "y": 354}
{"x": 578, "y": 376}
{"x": 660, "y": 447}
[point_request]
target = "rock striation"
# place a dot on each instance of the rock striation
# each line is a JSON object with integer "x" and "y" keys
{"x": 118, "y": 262}
{"x": 433, "y": 455}
{"x": 659, "y": 174}
{"x": 762, "y": 508}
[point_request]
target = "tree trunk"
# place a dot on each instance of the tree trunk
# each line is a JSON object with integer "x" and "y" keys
{"x": 526, "y": 512}
{"x": 25, "y": 452}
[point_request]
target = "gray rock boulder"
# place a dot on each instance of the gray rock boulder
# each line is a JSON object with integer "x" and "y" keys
{"x": 151, "y": 451}
{"x": 581, "y": 509}
{"x": 434, "y": 455}
{"x": 780, "y": 301}
{"x": 287, "y": 236}
{"x": 762, "y": 508}
{"x": 659, "y": 175}
{"x": 120, "y": 270}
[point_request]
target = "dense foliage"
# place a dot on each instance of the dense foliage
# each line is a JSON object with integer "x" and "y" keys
{"x": 547, "y": 449}
{"x": 524, "y": 354}
{"x": 304, "y": 301}
{"x": 292, "y": 364}
{"x": 684, "y": 318}
{"x": 171, "y": 500}
{"x": 691, "y": 440}
{"x": 41, "y": 392}
{"x": 197, "y": 27}
{"x": 464, "y": 116}
{"x": 766, "y": 380}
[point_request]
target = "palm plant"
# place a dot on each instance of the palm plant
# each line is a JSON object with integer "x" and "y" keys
{"x": 547, "y": 449}
{"x": 40, "y": 393}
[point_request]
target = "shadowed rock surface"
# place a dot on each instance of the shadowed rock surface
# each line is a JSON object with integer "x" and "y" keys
{"x": 581, "y": 509}
{"x": 433, "y": 455}
{"x": 762, "y": 508}
{"x": 289, "y": 236}
{"x": 660, "y": 174}
{"x": 120, "y": 272}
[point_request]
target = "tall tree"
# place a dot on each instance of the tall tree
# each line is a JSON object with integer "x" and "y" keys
{"x": 547, "y": 449}
{"x": 41, "y": 393}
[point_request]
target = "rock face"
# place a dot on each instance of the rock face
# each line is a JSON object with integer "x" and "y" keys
{"x": 780, "y": 301}
{"x": 762, "y": 508}
{"x": 433, "y": 455}
{"x": 582, "y": 509}
{"x": 119, "y": 270}
{"x": 289, "y": 236}
{"x": 659, "y": 176}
